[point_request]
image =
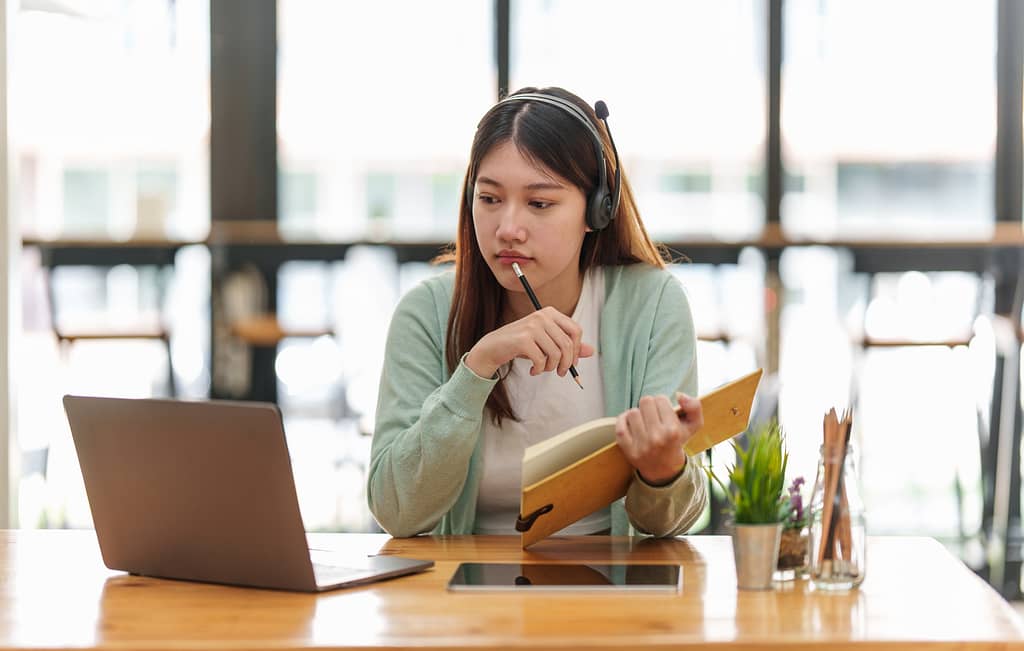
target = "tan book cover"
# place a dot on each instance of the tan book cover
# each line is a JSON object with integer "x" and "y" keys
{"x": 572, "y": 474}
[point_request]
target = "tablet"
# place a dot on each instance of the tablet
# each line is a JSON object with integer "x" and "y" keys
{"x": 547, "y": 576}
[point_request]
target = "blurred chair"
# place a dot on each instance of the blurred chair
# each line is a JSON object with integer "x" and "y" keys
{"x": 265, "y": 330}
{"x": 261, "y": 333}
{"x": 249, "y": 343}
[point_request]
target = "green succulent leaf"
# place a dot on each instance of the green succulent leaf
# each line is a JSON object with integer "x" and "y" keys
{"x": 757, "y": 492}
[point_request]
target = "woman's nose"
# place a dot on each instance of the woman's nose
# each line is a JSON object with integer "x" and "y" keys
{"x": 511, "y": 226}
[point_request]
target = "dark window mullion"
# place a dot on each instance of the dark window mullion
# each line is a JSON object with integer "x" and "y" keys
{"x": 243, "y": 110}
{"x": 1009, "y": 172}
{"x": 502, "y": 38}
{"x": 773, "y": 153}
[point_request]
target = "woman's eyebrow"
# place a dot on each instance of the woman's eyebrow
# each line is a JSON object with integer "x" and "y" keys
{"x": 545, "y": 186}
{"x": 487, "y": 181}
{"x": 540, "y": 185}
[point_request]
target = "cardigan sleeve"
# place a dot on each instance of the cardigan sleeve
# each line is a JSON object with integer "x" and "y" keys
{"x": 426, "y": 426}
{"x": 671, "y": 366}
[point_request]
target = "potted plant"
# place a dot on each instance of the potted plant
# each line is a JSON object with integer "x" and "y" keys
{"x": 793, "y": 545}
{"x": 758, "y": 504}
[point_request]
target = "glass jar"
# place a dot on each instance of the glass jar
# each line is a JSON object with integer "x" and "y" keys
{"x": 838, "y": 539}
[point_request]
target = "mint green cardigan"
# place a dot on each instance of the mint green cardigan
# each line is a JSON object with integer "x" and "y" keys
{"x": 425, "y": 456}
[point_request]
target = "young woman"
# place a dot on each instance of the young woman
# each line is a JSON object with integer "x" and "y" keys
{"x": 473, "y": 374}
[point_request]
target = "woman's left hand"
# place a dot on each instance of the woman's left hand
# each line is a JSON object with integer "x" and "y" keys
{"x": 652, "y": 436}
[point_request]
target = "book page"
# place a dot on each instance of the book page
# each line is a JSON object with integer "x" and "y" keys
{"x": 551, "y": 455}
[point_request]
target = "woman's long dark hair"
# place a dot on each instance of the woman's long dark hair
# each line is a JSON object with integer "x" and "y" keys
{"x": 555, "y": 140}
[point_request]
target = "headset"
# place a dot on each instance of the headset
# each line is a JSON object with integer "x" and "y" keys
{"x": 602, "y": 204}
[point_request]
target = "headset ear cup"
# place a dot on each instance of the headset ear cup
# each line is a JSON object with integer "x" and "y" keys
{"x": 607, "y": 205}
{"x": 593, "y": 213}
{"x": 599, "y": 211}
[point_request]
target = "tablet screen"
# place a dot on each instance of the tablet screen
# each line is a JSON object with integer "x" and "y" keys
{"x": 546, "y": 576}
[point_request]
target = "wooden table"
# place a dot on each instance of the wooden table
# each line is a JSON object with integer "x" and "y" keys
{"x": 56, "y": 594}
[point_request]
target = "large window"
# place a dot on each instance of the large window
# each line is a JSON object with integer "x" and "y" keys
{"x": 110, "y": 117}
{"x": 888, "y": 116}
{"x": 109, "y": 124}
{"x": 920, "y": 465}
{"x": 684, "y": 84}
{"x": 377, "y": 104}
{"x": 888, "y": 129}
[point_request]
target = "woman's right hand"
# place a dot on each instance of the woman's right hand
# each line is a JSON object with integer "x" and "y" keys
{"x": 548, "y": 338}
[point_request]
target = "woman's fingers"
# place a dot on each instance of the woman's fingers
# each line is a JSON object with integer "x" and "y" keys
{"x": 637, "y": 430}
{"x": 573, "y": 331}
{"x": 566, "y": 354}
{"x": 666, "y": 414}
{"x": 550, "y": 350}
{"x": 692, "y": 411}
{"x": 548, "y": 338}
{"x": 559, "y": 337}
{"x": 648, "y": 406}
{"x": 535, "y": 354}
{"x": 652, "y": 438}
{"x": 623, "y": 436}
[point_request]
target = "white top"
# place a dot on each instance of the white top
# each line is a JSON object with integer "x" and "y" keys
{"x": 546, "y": 405}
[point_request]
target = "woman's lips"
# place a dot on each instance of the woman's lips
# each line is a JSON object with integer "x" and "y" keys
{"x": 509, "y": 259}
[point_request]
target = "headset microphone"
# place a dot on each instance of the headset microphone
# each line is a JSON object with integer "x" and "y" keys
{"x": 601, "y": 109}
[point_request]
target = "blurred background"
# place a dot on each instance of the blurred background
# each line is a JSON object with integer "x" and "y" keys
{"x": 226, "y": 199}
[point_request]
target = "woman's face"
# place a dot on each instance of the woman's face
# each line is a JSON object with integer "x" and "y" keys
{"x": 527, "y": 214}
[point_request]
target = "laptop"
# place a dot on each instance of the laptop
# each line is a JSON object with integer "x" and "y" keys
{"x": 203, "y": 491}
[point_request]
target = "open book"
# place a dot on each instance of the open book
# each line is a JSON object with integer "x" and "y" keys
{"x": 572, "y": 474}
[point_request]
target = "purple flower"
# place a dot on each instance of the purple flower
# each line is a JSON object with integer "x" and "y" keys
{"x": 798, "y": 508}
{"x": 796, "y": 501}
